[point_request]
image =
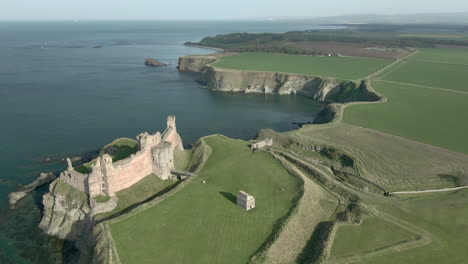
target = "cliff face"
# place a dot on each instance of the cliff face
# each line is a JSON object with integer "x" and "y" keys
{"x": 66, "y": 213}
{"x": 267, "y": 82}
{"x": 197, "y": 63}
{"x": 317, "y": 88}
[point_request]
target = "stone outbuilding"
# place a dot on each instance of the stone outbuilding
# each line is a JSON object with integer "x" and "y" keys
{"x": 245, "y": 200}
{"x": 268, "y": 142}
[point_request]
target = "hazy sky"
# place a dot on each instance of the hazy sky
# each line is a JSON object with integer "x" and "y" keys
{"x": 214, "y": 9}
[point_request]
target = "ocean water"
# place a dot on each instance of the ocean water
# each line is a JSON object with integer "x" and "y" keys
{"x": 60, "y": 96}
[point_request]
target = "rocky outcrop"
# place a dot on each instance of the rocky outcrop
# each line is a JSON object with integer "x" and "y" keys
{"x": 154, "y": 62}
{"x": 317, "y": 88}
{"x": 197, "y": 63}
{"x": 66, "y": 213}
{"x": 43, "y": 178}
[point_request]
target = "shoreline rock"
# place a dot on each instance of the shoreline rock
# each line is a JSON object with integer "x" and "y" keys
{"x": 43, "y": 178}
{"x": 154, "y": 62}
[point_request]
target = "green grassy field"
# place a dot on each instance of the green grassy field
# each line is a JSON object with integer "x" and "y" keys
{"x": 437, "y": 75}
{"x": 425, "y": 115}
{"x": 453, "y": 56}
{"x": 147, "y": 187}
{"x": 202, "y": 223}
{"x": 182, "y": 159}
{"x": 373, "y": 233}
{"x": 443, "y": 216}
{"x": 345, "y": 68}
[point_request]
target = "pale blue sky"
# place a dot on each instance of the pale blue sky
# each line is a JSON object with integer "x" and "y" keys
{"x": 214, "y": 9}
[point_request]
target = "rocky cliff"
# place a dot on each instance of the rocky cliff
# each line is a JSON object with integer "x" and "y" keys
{"x": 317, "y": 88}
{"x": 67, "y": 215}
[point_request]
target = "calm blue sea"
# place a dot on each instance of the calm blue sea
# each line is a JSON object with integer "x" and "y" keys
{"x": 60, "y": 96}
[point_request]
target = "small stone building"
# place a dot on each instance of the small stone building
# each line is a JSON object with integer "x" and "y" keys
{"x": 245, "y": 200}
{"x": 268, "y": 142}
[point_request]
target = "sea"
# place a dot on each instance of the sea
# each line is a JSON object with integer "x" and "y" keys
{"x": 68, "y": 88}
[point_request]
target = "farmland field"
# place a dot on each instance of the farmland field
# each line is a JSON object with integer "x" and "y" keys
{"x": 429, "y": 116}
{"x": 437, "y": 75}
{"x": 437, "y": 68}
{"x": 347, "y": 68}
{"x": 202, "y": 223}
{"x": 452, "y": 56}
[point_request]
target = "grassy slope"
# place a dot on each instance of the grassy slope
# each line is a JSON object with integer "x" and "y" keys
{"x": 444, "y": 216}
{"x": 202, "y": 223}
{"x": 429, "y": 116}
{"x": 393, "y": 162}
{"x": 338, "y": 67}
{"x": 352, "y": 239}
{"x": 138, "y": 192}
{"x": 182, "y": 159}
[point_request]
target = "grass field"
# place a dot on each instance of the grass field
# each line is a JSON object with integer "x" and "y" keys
{"x": 437, "y": 75}
{"x": 182, "y": 159}
{"x": 147, "y": 187}
{"x": 202, "y": 223}
{"x": 438, "y": 68}
{"x": 425, "y": 115}
{"x": 443, "y": 216}
{"x": 373, "y": 233}
{"x": 452, "y": 56}
{"x": 347, "y": 68}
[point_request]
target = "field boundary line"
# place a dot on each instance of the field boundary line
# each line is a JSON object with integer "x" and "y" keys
{"x": 390, "y": 65}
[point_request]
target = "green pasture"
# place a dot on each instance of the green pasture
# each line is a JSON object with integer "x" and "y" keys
{"x": 373, "y": 233}
{"x": 201, "y": 223}
{"x": 425, "y": 115}
{"x": 451, "y": 56}
{"x": 139, "y": 192}
{"x": 346, "y": 68}
{"x": 437, "y": 75}
{"x": 442, "y": 217}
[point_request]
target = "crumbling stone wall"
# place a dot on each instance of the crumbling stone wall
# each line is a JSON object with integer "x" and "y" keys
{"x": 155, "y": 156}
{"x": 268, "y": 142}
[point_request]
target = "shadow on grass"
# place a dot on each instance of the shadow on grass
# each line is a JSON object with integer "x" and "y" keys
{"x": 229, "y": 196}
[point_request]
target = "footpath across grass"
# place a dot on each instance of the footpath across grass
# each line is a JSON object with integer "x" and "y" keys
{"x": 202, "y": 223}
{"x": 429, "y": 116}
{"x": 346, "y": 68}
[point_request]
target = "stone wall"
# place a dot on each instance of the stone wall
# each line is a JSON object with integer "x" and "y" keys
{"x": 154, "y": 156}
{"x": 75, "y": 179}
{"x": 268, "y": 142}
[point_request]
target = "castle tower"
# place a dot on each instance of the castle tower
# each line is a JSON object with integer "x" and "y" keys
{"x": 163, "y": 160}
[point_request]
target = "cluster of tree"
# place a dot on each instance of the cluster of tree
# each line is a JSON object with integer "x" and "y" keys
{"x": 387, "y": 35}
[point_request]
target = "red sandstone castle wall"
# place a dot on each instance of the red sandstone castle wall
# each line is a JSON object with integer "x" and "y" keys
{"x": 127, "y": 172}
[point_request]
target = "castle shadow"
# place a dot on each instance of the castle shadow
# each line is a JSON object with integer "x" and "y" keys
{"x": 229, "y": 196}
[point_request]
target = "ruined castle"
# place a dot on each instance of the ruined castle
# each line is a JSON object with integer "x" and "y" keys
{"x": 155, "y": 155}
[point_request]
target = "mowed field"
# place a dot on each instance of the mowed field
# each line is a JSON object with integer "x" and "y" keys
{"x": 430, "y": 116}
{"x": 346, "y": 68}
{"x": 202, "y": 223}
{"x": 438, "y": 68}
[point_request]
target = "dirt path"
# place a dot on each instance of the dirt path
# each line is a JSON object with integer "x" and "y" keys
{"x": 432, "y": 190}
{"x": 311, "y": 210}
